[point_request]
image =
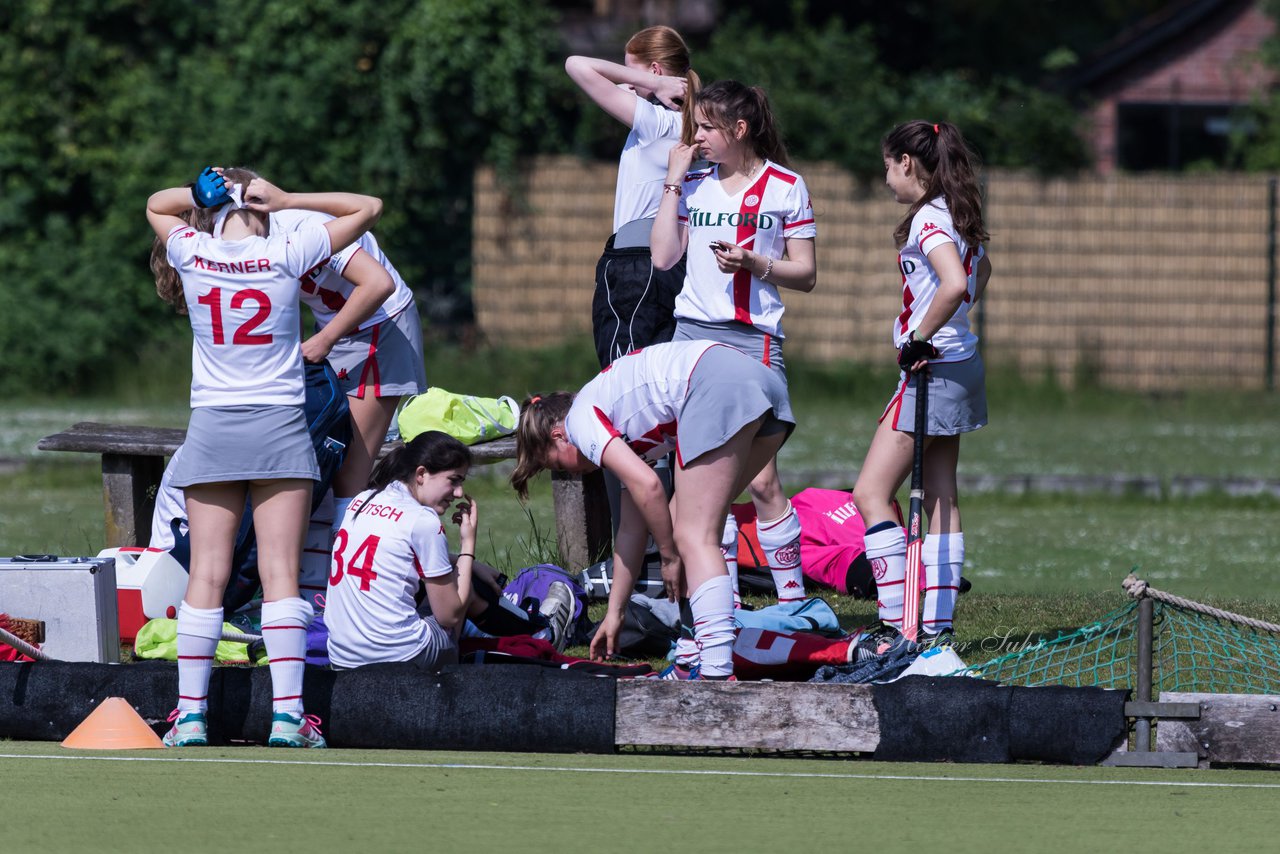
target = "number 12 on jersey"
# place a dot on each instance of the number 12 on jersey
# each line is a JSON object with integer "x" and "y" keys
{"x": 245, "y": 334}
{"x": 361, "y": 564}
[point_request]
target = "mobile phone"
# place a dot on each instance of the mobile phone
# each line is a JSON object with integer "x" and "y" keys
{"x": 716, "y": 245}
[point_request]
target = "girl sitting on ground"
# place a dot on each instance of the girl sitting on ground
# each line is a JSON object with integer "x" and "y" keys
{"x": 392, "y": 539}
{"x": 723, "y": 413}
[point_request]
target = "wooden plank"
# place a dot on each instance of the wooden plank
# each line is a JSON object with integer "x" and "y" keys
{"x": 1233, "y": 728}
{"x": 584, "y": 530}
{"x": 747, "y": 715}
{"x": 129, "y": 497}
{"x": 92, "y": 437}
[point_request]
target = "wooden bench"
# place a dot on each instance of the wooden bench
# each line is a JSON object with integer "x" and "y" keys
{"x": 133, "y": 460}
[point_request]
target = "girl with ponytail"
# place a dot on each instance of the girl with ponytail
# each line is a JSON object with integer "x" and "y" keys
{"x": 944, "y": 268}
{"x": 247, "y": 436}
{"x": 748, "y": 228}
{"x": 651, "y": 93}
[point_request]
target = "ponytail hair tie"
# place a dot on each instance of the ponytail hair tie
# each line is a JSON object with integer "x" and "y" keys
{"x": 935, "y": 130}
{"x": 535, "y": 399}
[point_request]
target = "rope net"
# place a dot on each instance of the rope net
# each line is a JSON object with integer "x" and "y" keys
{"x": 1195, "y": 648}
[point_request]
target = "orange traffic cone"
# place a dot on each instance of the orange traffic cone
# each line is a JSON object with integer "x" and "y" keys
{"x": 114, "y": 725}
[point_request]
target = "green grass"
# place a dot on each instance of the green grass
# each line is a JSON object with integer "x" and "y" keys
{"x": 345, "y": 800}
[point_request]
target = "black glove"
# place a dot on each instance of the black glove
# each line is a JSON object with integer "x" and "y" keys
{"x": 915, "y": 350}
{"x": 210, "y": 189}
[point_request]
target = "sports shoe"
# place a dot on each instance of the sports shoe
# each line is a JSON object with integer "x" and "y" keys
{"x": 292, "y": 731}
{"x": 930, "y": 640}
{"x": 678, "y": 673}
{"x": 557, "y": 608}
{"x": 877, "y": 640}
{"x": 188, "y": 730}
{"x": 701, "y": 678}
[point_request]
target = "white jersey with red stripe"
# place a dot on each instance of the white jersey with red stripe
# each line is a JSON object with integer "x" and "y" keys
{"x": 760, "y": 217}
{"x": 387, "y": 543}
{"x": 932, "y": 227}
{"x": 324, "y": 290}
{"x": 642, "y": 168}
{"x": 637, "y": 399}
{"x": 242, "y": 300}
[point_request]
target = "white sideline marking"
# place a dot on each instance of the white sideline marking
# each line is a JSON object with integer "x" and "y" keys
{"x": 459, "y": 766}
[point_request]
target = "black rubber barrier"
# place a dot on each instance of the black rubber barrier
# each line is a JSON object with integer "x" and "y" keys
{"x": 508, "y": 708}
{"x": 926, "y": 718}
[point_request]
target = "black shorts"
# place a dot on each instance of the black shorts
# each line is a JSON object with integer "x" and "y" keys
{"x": 634, "y": 302}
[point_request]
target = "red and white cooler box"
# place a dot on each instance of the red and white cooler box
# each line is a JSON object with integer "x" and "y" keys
{"x": 150, "y": 584}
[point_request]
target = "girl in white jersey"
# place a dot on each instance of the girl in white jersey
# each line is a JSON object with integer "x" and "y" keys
{"x": 944, "y": 271}
{"x": 247, "y": 434}
{"x": 747, "y": 225}
{"x": 651, "y": 93}
{"x": 368, "y": 328}
{"x": 391, "y": 539}
{"x": 725, "y": 416}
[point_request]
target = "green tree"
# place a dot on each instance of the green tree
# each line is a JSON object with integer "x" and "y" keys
{"x": 109, "y": 100}
{"x": 838, "y": 107}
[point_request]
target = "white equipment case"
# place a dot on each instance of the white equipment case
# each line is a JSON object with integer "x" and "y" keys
{"x": 74, "y": 596}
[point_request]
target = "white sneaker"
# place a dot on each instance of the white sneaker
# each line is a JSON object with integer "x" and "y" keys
{"x": 557, "y": 607}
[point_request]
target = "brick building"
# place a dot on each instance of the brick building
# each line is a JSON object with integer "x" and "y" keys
{"x": 1163, "y": 94}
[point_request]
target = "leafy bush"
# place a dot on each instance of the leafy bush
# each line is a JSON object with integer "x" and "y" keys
{"x": 107, "y": 101}
{"x": 835, "y": 98}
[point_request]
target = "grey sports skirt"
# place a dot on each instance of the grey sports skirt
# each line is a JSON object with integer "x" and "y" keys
{"x": 957, "y": 399}
{"x": 233, "y": 443}
{"x": 728, "y": 389}
{"x": 761, "y": 346}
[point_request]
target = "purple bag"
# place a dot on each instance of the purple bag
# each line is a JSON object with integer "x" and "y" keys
{"x": 318, "y": 641}
{"x": 532, "y": 583}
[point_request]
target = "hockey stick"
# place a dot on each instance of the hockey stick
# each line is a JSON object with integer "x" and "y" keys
{"x": 23, "y": 647}
{"x": 915, "y": 515}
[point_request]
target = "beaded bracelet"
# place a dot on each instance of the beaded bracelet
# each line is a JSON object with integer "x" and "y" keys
{"x": 768, "y": 268}
{"x": 673, "y": 188}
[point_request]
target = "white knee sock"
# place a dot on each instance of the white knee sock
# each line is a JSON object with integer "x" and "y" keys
{"x": 199, "y": 630}
{"x": 943, "y": 556}
{"x": 729, "y": 548}
{"x": 780, "y": 541}
{"x": 712, "y": 606}
{"x": 887, "y": 552}
{"x": 284, "y": 631}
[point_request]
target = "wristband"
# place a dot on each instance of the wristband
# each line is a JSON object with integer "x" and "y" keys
{"x": 466, "y": 554}
{"x": 673, "y": 188}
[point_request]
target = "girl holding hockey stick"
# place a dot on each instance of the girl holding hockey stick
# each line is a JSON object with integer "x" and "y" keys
{"x": 723, "y": 413}
{"x": 944, "y": 268}
{"x": 248, "y": 433}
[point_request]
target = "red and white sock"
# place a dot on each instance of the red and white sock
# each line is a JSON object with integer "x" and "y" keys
{"x": 199, "y": 630}
{"x": 887, "y": 552}
{"x": 712, "y": 606}
{"x": 284, "y": 631}
{"x": 729, "y": 548}
{"x": 780, "y": 542}
{"x": 943, "y": 556}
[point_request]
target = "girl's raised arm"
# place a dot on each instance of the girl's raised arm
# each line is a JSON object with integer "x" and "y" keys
{"x": 355, "y": 213}
{"x": 602, "y": 81}
{"x": 667, "y": 240}
{"x": 164, "y": 207}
